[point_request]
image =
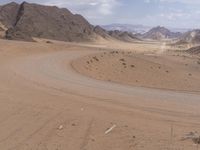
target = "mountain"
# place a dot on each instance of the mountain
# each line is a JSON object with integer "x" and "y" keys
{"x": 123, "y": 36}
{"x": 127, "y": 28}
{"x": 102, "y": 32}
{"x": 116, "y": 34}
{"x": 159, "y": 33}
{"x": 8, "y": 14}
{"x": 190, "y": 37}
{"x": 33, "y": 20}
{"x": 138, "y": 29}
{"x": 25, "y": 21}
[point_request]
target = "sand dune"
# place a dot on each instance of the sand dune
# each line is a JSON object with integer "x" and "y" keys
{"x": 46, "y": 104}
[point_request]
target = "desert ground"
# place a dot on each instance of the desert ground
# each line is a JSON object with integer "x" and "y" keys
{"x": 97, "y": 96}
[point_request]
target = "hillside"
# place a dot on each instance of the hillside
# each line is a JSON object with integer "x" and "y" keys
{"x": 123, "y": 36}
{"x": 26, "y": 20}
{"x": 194, "y": 50}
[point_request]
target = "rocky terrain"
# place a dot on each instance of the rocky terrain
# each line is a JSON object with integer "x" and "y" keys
{"x": 194, "y": 50}
{"x": 33, "y": 20}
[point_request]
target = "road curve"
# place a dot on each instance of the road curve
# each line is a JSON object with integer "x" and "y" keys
{"x": 45, "y": 87}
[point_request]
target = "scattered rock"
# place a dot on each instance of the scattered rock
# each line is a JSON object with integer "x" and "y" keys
{"x": 110, "y": 129}
{"x": 95, "y": 58}
{"x": 194, "y": 136}
{"x": 60, "y": 127}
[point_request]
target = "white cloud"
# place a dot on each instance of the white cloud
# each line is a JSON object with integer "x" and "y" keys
{"x": 99, "y": 7}
{"x": 182, "y": 1}
{"x": 179, "y": 1}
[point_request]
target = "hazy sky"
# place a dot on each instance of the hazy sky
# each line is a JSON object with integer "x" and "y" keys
{"x": 174, "y": 13}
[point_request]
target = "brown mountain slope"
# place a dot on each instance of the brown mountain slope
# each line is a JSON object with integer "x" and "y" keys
{"x": 8, "y": 14}
{"x": 192, "y": 37}
{"x": 50, "y": 22}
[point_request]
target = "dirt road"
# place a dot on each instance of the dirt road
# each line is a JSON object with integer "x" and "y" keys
{"x": 46, "y": 105}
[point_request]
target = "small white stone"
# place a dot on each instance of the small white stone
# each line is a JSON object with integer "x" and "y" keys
{"x": 60, "y": 127}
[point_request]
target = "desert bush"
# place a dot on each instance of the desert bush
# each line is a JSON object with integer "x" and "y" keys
{"x": 133, "y": 66}
{"x": 122, "y": 59}
{"x": 49, "y": 42}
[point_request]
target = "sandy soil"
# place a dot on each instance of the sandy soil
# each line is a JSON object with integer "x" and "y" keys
{"x": 163, "y": 71}
{"x": 46, "y": 105}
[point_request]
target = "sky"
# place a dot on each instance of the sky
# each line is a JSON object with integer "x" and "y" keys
{"x": 171, "y": 13}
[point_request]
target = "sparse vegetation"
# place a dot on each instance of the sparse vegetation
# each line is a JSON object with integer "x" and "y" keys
{"x": 194, "y": 136}
{"x": 133, "y": 66}
{"x": 49, "y": 42}
{"x": 122, "y": 59}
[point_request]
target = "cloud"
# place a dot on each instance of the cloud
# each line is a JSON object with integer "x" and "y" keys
{"x": 190, "y": 2}
{"x": 98, "y": 7}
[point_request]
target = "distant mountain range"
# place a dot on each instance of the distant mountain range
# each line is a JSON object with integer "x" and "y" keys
{"x": 159, "y": 33}
{"x": 141, "y": 29}
{"x": 127, "y": 27}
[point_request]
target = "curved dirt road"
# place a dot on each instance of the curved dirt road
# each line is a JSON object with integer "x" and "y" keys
{"x": 47, "y": 105}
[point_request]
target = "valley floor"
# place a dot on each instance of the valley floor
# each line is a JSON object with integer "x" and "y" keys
{"x": 45, "y": 104}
